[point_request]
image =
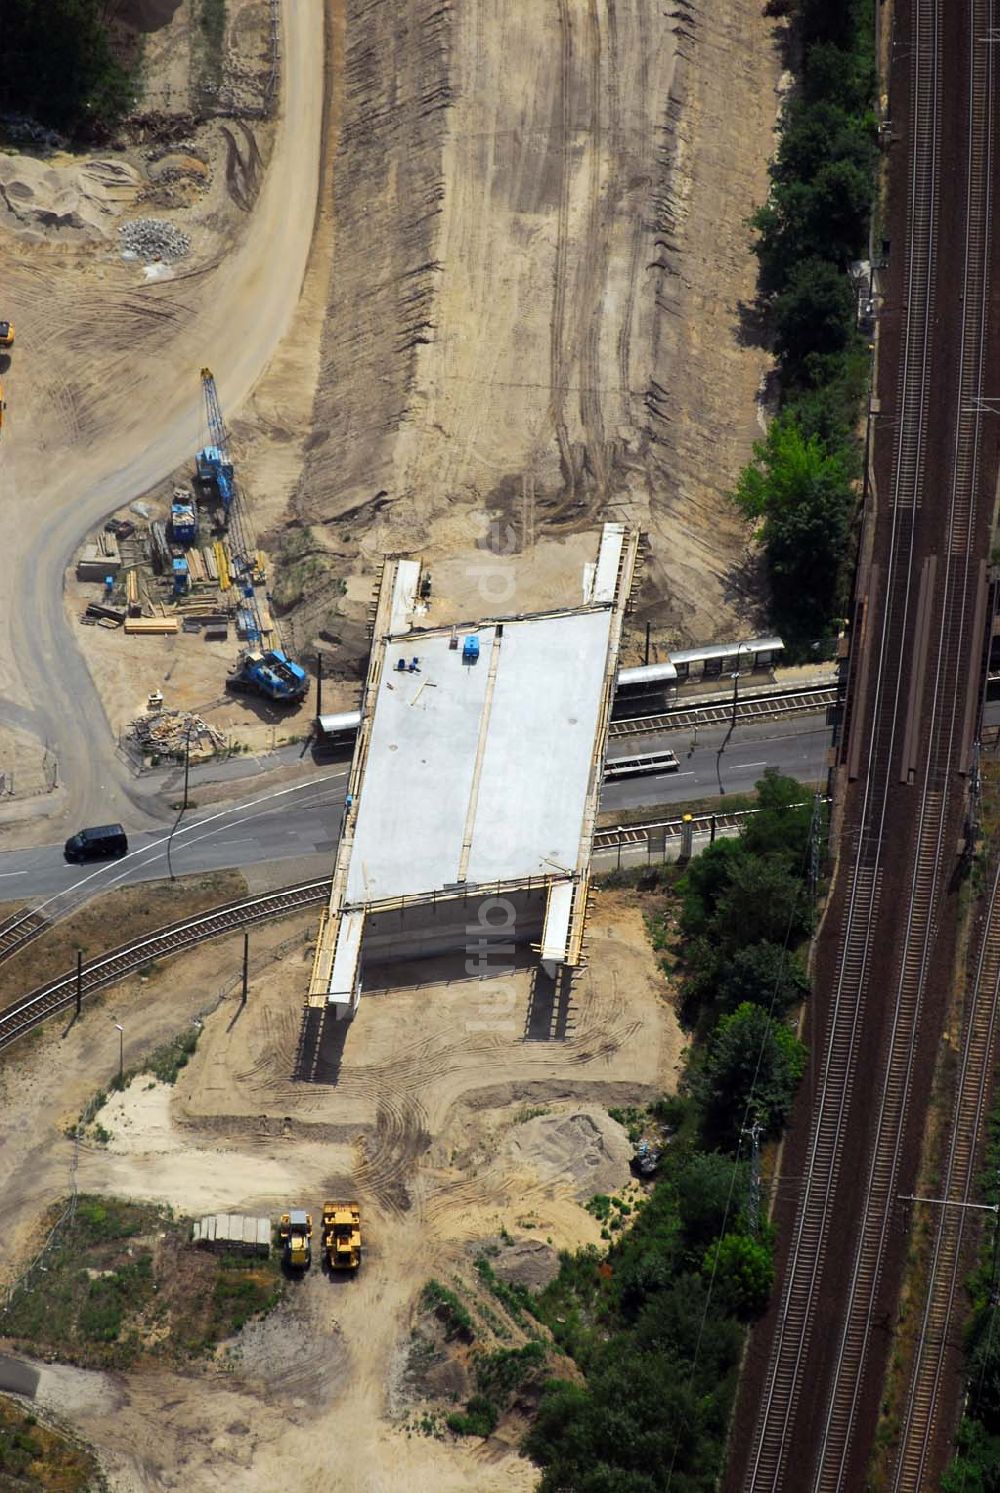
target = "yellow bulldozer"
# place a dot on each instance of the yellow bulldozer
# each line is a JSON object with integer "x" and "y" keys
{"x": 342, "y": 1235}
{"x": 296, "y": 1236}
{"x": 6, "y": 334}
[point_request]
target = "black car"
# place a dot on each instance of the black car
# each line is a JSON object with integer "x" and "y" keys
{"x": 97, "y": 844}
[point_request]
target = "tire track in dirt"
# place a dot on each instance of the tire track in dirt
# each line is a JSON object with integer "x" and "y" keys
{"x": 386, "y": 1160}
{"x": 558, "y": 358}
{"x": 594, "y": 269}
{"x": 639, "y": 225}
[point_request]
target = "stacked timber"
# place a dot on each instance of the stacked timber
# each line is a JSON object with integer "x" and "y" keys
{"x": 151, "y": 626}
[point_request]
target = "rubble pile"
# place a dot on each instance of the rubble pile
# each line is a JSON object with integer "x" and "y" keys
{"x": 154, "y": 238}
{"x": 166, "y": 733}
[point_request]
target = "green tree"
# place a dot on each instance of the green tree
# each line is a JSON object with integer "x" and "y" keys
{"x": 743, "y": 1273}
{"x": 751, "y": 1069}
{"x": 59, "y": 64}
{"x": 706, "y": 880}
{"x": 813, "y": 316}
{"x": 710, "y": 1193}
{"x": 822, "y": 132}
{"x": 765, "y": 973}
{"x": 764, "y": 903}
{"x": 984, "y": 1377}
{"x": 843, "y": 76}
{"x": 782, "y": 824}
{"x": 803, "y": 493}
{"x": 976, "y": 1468}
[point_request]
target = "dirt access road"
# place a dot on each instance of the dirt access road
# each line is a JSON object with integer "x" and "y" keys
{"x": 461, "y": 1113}
{"x": 104, "y": 400}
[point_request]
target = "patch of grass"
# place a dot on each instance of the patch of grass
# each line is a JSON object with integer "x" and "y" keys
{"x": 449, "y": 1310}
{"x": 632, "y": 1120}
{"x": 499, "y": 1377}
{"x": 517, "y": 1300}
{"x": 244, "y": 1288}
{"x": 302, "y": 565}
{"x": 109, "y": 920}
{"x": 166, "y": 1062}
{"x": 35, "y": 1456}
{"x": 209, "y": 49}
{"x": 480, "y": 1418}
{"x": 123, "y": 1282}
{"x": 95, "y": 1279}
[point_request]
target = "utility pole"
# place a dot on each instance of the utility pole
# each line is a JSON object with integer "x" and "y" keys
{"x": 187, "y": 765}
{"x": 121, "y": 1054}
{"x": 319, "y": 687}
{"x": 246, "y": 966}
{"x": 79, "y": 980}
{"x": 647, "y": 642}
{"x": 184, "y": 802}
{"x": 753, "y": 1193}
{"x": 814, "y": 846}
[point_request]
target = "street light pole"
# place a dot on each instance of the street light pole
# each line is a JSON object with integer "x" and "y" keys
{"x": 736, "y": 679}
{"x": 732, "y": 724}
{"x": 184, "y": 801}
{"x": 187, "y": 764}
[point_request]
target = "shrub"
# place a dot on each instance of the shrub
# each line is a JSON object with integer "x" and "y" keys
{"x": 65, "y": 73}
{"x": 743, "y": 1272}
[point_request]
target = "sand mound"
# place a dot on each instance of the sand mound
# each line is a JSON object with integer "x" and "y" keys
{"x": 42, "y": 201}
{"x": 587, "y": 1150}
{"x": 529, "y": 1263}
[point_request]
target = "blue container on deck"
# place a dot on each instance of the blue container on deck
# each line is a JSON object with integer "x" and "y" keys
{"x": 470, "y": 650}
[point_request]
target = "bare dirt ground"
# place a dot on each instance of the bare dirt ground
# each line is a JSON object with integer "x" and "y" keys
{"x": 522, "y": 311}
{"x": 128, "y": 912}
{"x": 434, "y": 1111}
{"x": 536, "y": 318}
{"x": 102, "y": 390}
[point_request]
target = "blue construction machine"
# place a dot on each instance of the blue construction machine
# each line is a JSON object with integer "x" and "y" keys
{"x": 213, "y": 464}
{"x": 270, "y": 673}
{"x": 261, "y": 670}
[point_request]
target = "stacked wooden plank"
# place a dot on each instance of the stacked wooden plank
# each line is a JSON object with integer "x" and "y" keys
{"x": 151, "y": 626}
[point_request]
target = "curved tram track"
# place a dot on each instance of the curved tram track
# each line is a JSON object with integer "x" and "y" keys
{"x": 31, "y": 1010}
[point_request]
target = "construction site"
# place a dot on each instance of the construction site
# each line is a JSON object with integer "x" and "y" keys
{"x": 373, "y": 370}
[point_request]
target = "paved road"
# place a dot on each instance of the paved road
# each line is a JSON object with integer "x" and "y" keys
{"x": 302, "y": 821}
{"x": 159, "y": 430}
{"x": 289, "y": 823}
{"x": 796, "y": 746}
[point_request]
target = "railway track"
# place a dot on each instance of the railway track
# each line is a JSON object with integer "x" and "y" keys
{"x": 721, "y": 713}
{"x": 909, "y": 924}
{"x": 19, "y": 929}
{"x": 25, "y": 1014}
{"x": 32, "y": 1009}
{"x": 937, "y": 1338}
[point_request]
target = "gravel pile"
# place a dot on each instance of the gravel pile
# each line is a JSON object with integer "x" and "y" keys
{"x": 152, "y": 238}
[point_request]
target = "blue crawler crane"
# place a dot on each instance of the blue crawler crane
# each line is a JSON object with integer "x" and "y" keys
{"x": 262, "y": 669}
{"x": 213, "y": 464}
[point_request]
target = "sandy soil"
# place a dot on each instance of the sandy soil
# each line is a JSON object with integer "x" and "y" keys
{"x": 434, "y": 1110}
{"x": 103, "y": 393}
{"x": 536, "y": 314}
